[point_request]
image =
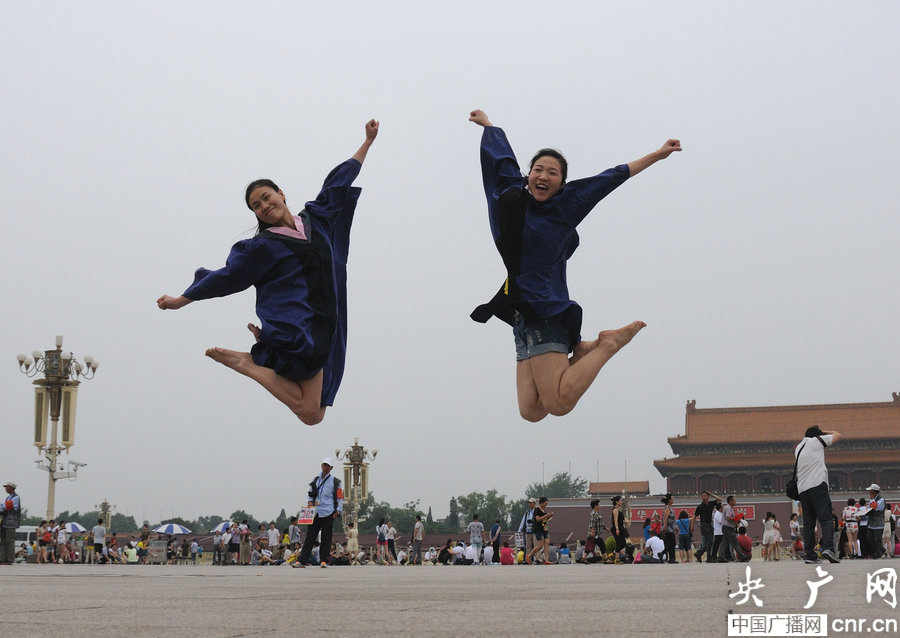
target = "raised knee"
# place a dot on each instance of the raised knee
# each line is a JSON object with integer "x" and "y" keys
{"x": 532, "y": 415}
{"x": 310, "y": 418}
{"x": 558, "y": 407}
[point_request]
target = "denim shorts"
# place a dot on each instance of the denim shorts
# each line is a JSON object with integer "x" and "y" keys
{"x": 547, "y": 335}
{"x": 539, "y": 536}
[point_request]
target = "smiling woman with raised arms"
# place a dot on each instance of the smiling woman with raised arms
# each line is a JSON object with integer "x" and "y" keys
{"x": 298, "y": 265}
{"x": 533, "y": 221}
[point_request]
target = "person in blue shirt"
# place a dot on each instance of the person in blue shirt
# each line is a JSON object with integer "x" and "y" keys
{"x": 533, "y": 221}
{"x": 298, "y": 265}
{"x": 327, "y": 496}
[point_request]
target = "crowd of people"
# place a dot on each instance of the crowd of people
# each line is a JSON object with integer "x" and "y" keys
{"x": 865, "y": 529}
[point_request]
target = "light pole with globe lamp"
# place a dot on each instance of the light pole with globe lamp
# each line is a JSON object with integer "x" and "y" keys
{"x": 356, "y": 478}
{"x": 55, "y": 397}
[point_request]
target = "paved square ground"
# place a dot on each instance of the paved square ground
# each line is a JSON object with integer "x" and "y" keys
{"x": 686, "y": 600}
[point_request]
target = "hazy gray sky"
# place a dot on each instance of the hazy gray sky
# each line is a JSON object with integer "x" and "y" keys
{"x": 763, "y": 257}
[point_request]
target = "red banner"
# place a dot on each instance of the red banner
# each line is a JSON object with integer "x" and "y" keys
{"x": 638, "y": 514}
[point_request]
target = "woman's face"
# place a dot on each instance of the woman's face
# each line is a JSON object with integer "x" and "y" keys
{"x": 545, "y": 178}
{"x": 269, "y": 206}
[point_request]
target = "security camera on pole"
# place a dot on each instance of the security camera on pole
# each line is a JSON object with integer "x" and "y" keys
{"x": 55, "y": 397}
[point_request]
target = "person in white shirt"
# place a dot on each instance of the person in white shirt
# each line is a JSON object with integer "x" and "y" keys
{"x": 488, "y": 554}
{"x": 656, "y": 545}
{"x": 390, "y": 535}
{"x": 471, "y": 554}
{"x": 851, "y": 525}
{"x": 717, "y": 520}
{"x": 272, "y": 536}
{"x": 99, "y": 534}
{"x": 812, "y": 483}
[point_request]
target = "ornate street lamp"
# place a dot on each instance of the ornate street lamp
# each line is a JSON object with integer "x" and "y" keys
{"x": 105, "y": 509}
{"x": 55, "y": 397}
{"x": 356, "y": 480}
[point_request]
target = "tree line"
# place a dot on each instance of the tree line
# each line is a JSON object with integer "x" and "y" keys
{"x": 490, "y": 506}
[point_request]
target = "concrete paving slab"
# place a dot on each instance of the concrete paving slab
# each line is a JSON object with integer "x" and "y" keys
{"x": 560, "y": 600}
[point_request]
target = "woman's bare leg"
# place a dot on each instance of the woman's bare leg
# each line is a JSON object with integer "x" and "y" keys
{"x": 561, "y": 383}
{"x": 303, "y": 398}
{"x": 530, "y": 406}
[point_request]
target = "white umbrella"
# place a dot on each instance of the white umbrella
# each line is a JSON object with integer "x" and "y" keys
{"x": 172, "y": 528}
{"x": 221, "y": 527}
{"x": 74, "y": 528}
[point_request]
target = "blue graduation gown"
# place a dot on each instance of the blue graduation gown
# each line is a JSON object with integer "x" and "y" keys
{"x": 535, "y": 239}
{"x": 301, "y": 286}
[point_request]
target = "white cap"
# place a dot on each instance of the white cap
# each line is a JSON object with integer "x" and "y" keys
{"x": 874, "y": 487}
{"x": 327, "y": 461}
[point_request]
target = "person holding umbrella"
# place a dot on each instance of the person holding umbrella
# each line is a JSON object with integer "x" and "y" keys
{"x": 327, "y": 496}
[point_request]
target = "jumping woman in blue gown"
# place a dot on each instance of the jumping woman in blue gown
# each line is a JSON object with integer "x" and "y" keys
{"x": 298, "y": 265}
{"x": 533, "y": 220}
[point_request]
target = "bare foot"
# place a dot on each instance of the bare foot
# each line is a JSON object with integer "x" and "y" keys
{"x": 623, "y": 335}
{"x": 230, "y": 358}
{"x": 255, "y": 330}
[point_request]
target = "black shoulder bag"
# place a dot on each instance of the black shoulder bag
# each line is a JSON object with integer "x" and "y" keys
{"x": 790, "y": 488}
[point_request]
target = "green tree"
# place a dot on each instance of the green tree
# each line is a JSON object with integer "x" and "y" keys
{"x": 28, "y": 519}
{"x": 205, "y": 523}
{"x": 489, "y": 507}
{"x": 239, "y": 516}
{"x": 86, "y": 520}
{"x": 452, "y": 521}
{"x": 403, "y": 518}
{"x": 365, "y": 508}
{"x": 562, "y": 485}
{"x": 283, "y": 521}
{"x": 516, "y": 512}
{"x": 120, "y": 523}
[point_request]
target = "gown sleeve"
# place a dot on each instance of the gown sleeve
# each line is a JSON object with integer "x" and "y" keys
{"x": 247, "y": 263}
{"x": 499, "y": 171}
{"x": 581, "y": 195}
{"x": 336, "y": 192}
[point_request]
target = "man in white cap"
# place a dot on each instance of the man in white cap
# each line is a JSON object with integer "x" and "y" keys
{"x": 326, "y": 495}
{"x": 875, "y": 519}
{"x": 12, "y": 513}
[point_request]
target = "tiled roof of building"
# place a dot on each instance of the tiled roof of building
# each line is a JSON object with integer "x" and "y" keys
{"x": 787, "y": 423}
{"x": 834, "y": 458}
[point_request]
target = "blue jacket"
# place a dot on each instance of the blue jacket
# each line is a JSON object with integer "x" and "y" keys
{"x": 535, "y": 239}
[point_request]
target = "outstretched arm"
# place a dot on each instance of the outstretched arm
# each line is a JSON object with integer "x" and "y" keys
{"x": 480, "y": 118}
{"x": 661, "y": 153}
{"x": 172, "y": 303}
{"x": 371, "y": 134}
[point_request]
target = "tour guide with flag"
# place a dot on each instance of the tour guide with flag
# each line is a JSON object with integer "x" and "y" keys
{"x": 327, "y": 496}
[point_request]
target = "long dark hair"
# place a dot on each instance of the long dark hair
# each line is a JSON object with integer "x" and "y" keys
{"x": 252, "y": 186}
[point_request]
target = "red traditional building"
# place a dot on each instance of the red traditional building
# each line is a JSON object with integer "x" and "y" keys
{"x": 750, "y": 450}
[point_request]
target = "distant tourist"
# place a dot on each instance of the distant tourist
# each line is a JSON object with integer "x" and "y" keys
{"x": 812, "y": 483}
